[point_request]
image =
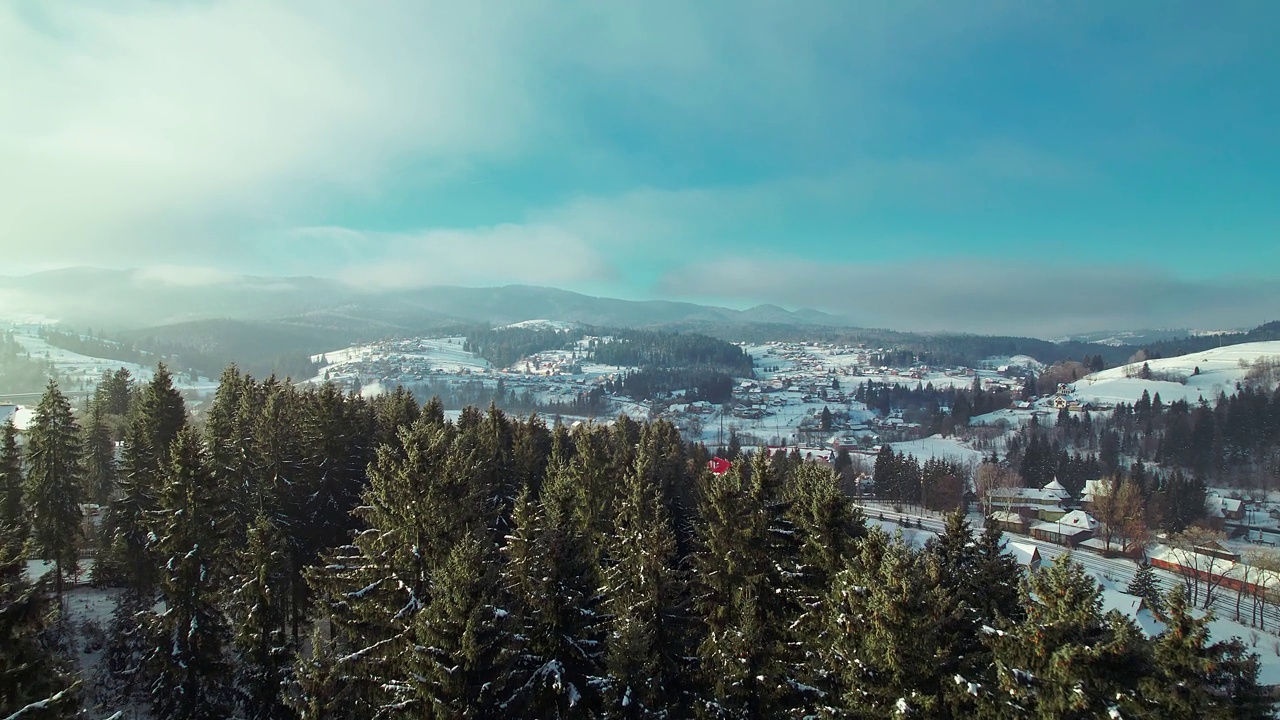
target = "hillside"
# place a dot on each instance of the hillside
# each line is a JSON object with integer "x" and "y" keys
{"x": 1203, "y": 374}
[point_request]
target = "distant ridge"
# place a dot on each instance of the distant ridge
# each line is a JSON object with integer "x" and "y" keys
{"x": 131, "y": 299}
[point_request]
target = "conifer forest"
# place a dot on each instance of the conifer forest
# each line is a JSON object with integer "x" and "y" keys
{"x": 298, "y": 552}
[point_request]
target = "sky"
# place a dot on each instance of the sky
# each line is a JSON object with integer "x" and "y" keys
{"x": 1032, "y": 168}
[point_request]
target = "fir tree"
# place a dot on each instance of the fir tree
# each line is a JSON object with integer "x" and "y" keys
{"x": 1068, "y": 659}
{"x": 34, "y": 679}
{"x": 1194, "y": 678}
{"x": 99, "y": 458}
{"x": 455, "y": 665}
{"x": 888, "y": 617}
{"x": 12, "y": 512}
{"x": 259, "y": 614}
{"x": 643, "y": 596}
{"x": 745, "y": 594}
{"x": 163, "y": 414}
{"x": 552, "y": 577}
{"x": 192, "y": 677}
{"x": 1144, "y": 585}
{"x": 53, "y": 483}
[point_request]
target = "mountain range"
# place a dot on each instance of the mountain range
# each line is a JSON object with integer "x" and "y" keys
{"x": 118, "y": 300}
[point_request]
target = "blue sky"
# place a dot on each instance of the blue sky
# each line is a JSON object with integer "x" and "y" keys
{"x": 1020, "y": 167}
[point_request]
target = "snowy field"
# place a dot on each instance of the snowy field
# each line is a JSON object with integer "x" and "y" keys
{"x": 941, "y": 448}
{"x": 445, "y": 354}
{"x": 81, "y": 373}
{"x": 1220, "y": 370}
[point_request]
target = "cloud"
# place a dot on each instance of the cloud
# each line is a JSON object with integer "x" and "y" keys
{"x": 140, "y": 121}
{"x": 496, "y": 255}
{"x": 144, "y": 131}
{"x": 182, "y": 275}
{"x": 995, "y": 296}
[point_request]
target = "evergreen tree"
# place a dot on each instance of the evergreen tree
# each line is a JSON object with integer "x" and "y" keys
{"x": 1194, "y": 678}
{"x": 12, "y": 513}
{"x": 643, "y": 593}
{"x": 53, "y": 483}
{"x": 192, "y": 677}
{"x": 419, "y": 506}
{"x": 887, "y": 618}
{"x": 259, "y": 614}
{"x": 458, "y": 635}
{"x": 163, "y": 414}
{"x": 1144, "y": 585}
{"x": 114, "y": 392}
{"x": 552, "y": 576}
{"x": 127, "y": 558}
{"x": 744, "y": 594}
{"x": 1068, "y": 659}
{"x": 828, "y": 529}
{"x": 34, "y": 679}
{"x": 99, "y": 458}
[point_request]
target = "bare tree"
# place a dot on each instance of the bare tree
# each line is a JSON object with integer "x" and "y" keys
{"x": 1263, "y": 571}
{"x": 992, "y": 476}
{"x": 1198, "y": 566}
{"x": 1132, "y": 529}
{"x": 1106, "y": 506}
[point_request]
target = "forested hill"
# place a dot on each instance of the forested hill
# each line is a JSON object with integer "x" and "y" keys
{"x": 309, "y": 554}
{"x": 1185, "y": 346}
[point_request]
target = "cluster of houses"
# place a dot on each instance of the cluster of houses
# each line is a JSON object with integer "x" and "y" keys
{"x": 1047, "y": 513}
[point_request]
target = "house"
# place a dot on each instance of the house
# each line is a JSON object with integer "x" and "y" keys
{"x": 1133, "y": 607}
{"x": 1027, "y": 555}
{"x": 1070, "y": 529}
{"x": 1035, "y": 503}
{"x": 844, "y": 442}
{"x": 1228, "y": 508}
{"x": 7, "y": 410}
{"x": 1010, "y": 522}
{"x": 1093, "y": 488}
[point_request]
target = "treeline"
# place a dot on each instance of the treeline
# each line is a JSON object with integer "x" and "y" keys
{"x": 1234, "y": 441}
{"x": 1194, "y": 344}
{"x": 203, "y": 348}
{"x": 590, "y": 402}
{"x": 95, "y": 346}
{"x": 504, "y": 346}
{"x": 925, "y": 403}
{"x": 714, "y": 386}
{"x": 937, "y": 484}
{"x": 317, "y": 555}
{"x": 665, "y": 350}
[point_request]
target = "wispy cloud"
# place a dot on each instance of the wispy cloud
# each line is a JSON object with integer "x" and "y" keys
{"x": 497, "y": 255}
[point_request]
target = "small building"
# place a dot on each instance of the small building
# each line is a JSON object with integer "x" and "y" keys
{"x": 1027, "y": 555}
{"x": 1093, "y": 488}
{"x": 1010, "y": 522}
{"x": 1070, "y": 529}
{"x": 1046, "y": 503}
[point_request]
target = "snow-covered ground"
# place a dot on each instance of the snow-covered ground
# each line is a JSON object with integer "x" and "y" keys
{"x": 425, "y": 354}
{"x": 941, "y": 448}
{"x": 540, "y": 324}
{"x": 82, "y": 372}
{"x": 1219, "y": 371}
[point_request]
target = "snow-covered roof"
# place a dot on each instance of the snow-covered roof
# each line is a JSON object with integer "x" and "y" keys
{"x": 1093, "y": 488}
{"x": 1025, "y": 553}
{"x": 1073, "y": 522}
{"x": 1056, "y": 487}
{"x": 1006, "y": 517}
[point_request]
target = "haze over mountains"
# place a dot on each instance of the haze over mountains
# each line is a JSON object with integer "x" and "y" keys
{"x": 130, "y": 299}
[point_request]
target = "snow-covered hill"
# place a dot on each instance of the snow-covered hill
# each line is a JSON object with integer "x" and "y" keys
{"x": 1177, "y": 378}
{"x": 540, "y": 324}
